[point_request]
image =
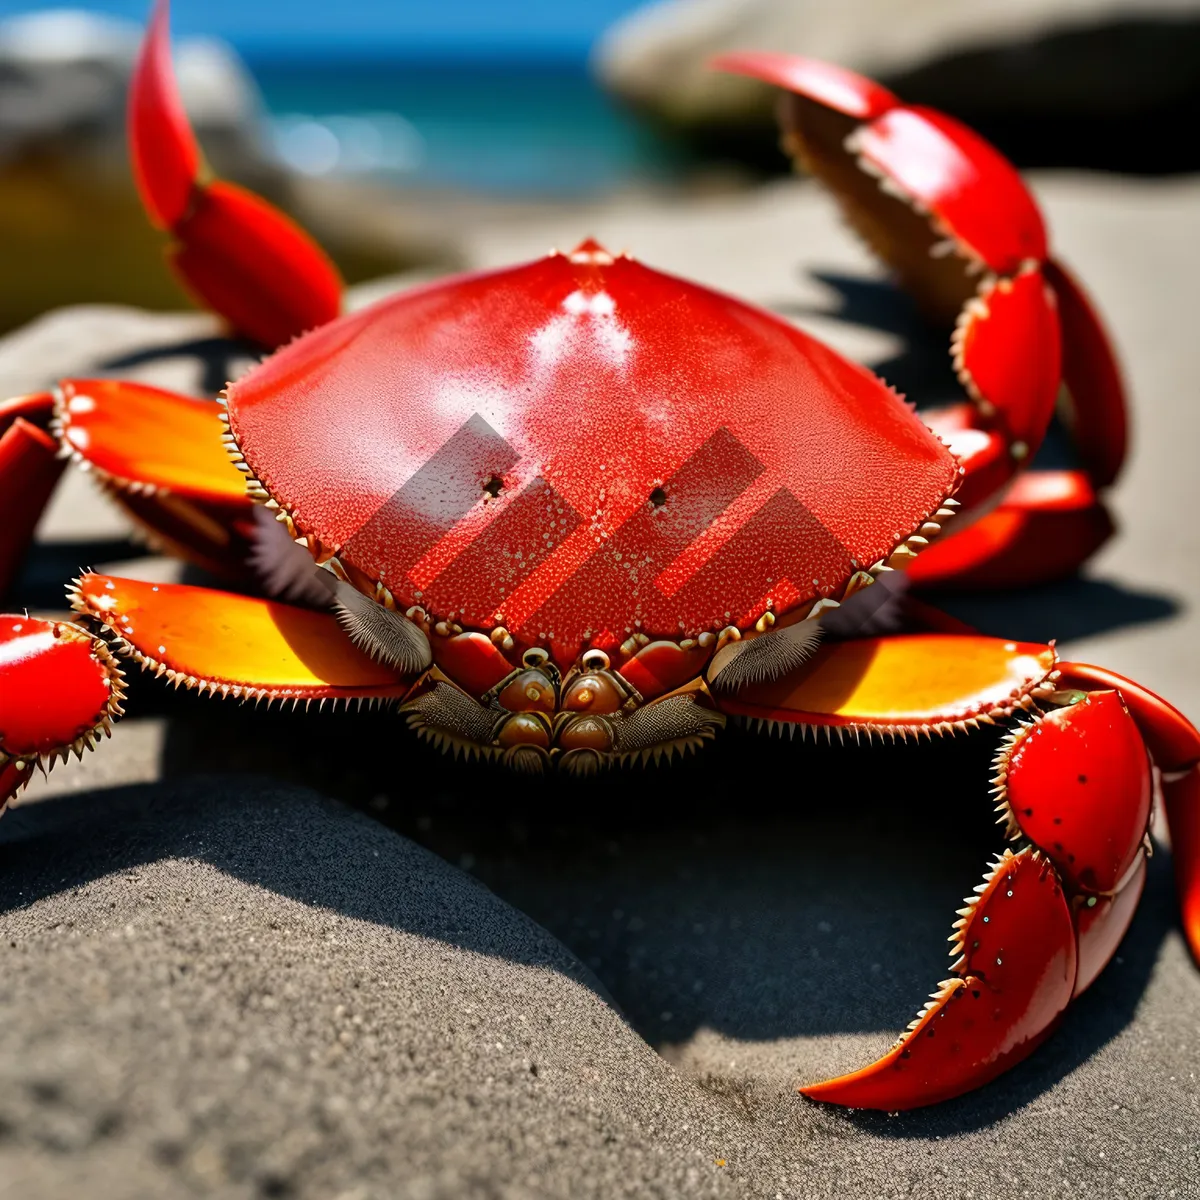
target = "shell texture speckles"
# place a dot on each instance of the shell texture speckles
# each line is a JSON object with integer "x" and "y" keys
{"x": 582, "y": 447}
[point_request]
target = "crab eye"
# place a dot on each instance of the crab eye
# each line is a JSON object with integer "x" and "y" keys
{"x": 493, "y": 486}
{"x": 658, "y": 497}
{"x": 595, "y": 660}
{"x": 534, "y": 656}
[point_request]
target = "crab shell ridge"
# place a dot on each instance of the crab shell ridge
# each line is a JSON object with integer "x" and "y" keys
{"x": 582, "y": 448}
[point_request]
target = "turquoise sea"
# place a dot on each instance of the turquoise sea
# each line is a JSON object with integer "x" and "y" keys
{"x": 471, "y": 94}
{"x": 541, "y": 127}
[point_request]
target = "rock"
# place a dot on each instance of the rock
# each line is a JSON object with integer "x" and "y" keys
{"x": 1001, "y": 57}
{"x": 236, "y": 989}
{"x": 63, "y": 78}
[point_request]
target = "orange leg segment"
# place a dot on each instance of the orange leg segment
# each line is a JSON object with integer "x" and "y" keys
{"x": 234, "y": 645}
{"x": 240, "y": 256}
{"x": 909, "y": 684}
{"x": 160, "y": 456}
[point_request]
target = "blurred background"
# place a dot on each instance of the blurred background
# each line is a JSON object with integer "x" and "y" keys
{"x": 389, "y": 126}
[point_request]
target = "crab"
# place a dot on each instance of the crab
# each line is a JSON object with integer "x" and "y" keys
{"x": 579, "y": 512}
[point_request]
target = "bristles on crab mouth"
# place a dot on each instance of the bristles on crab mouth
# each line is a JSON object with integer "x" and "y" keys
{"x": 767, "y": 657}
{"x": 387, "y": 636}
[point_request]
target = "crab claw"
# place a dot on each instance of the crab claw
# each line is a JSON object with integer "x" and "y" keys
{"x": 1018, "y": 964}
{"x": 239, "y": 255}
{"x": 935, "y": 200}
{"x": 1076, "y": 785}
{"x": 60, "y": 689}
{"x": 952, "y": 217}
{"x": 835, "y": 87}
{"x": 1073, "y": 785}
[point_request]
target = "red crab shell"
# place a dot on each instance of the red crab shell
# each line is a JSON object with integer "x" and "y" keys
{"x": 581, "y": 448}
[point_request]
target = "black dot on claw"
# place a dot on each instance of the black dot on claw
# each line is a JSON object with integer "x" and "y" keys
{"x": 494, "y": 486}
{"x": 1083, "y": 779}
{"x": 905, "y": 1053}
{"x": 1029, "y": 812}
{"x": 1058, "y": 820}
{"x": 658, "y": 497}
{"x": 975, "y": 993}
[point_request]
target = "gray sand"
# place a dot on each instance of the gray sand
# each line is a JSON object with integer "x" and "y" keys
{"x": 230, "y": 986}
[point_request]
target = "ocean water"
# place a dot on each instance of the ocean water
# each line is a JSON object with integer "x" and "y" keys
{"x": 507, "y": 127}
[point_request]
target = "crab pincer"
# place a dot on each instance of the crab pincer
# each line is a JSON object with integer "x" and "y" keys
{"x": 952, "y": 218}
{"x": 1014, "y": 944}
{"x": 1073, "y": 784}
{"x": 60, "y": 690}
{"x": 238, "y": 254}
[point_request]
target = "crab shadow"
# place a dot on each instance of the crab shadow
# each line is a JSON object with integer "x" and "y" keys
{"x": 763, "y": 890}
{"x": 216, "y": 360}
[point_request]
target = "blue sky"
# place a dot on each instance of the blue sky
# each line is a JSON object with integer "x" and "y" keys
{"x": 420, "y": 28}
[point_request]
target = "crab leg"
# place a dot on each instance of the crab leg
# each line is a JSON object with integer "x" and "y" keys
{"x": 239, "y": 255}
{"x": 234, "y": 645}
{"x": 904, "y": 686}
{"x": 955, "y": 221}
{"x": 1047, "y": 525}
{"x": 1074, "y": 786}
{"x": 1094, "y": 391}
{"x": 160, "y": 455}
{"x": 60, "y": 690}
{"x": 29, "y": 471}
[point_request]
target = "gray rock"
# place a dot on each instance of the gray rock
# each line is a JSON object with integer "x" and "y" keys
{"x": 63, "y": 80}
{"x": 232, "y": 989}
{"x": 1093, "y": 57}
